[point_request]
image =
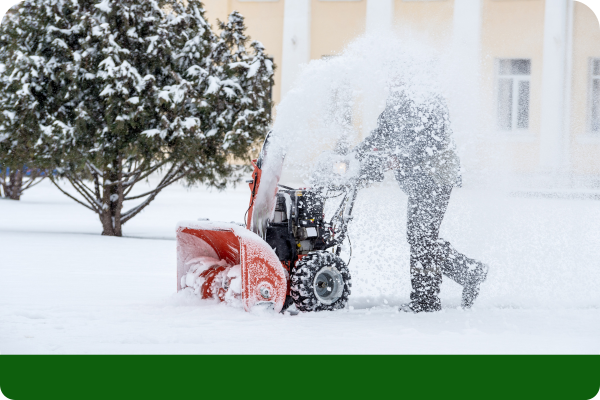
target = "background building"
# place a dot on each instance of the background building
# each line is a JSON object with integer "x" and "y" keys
{"x": 535, "y": 67}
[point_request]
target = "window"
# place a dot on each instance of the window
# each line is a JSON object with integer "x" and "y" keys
{"x": 514, "y": 86}
{"x": 595, "y": 95}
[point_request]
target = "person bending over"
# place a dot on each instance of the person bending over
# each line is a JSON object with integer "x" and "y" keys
{"x": 416, "y": 140}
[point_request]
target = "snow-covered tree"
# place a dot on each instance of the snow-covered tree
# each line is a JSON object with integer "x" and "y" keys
{"x": 244, "y": 80}
{"x": 27, "y": 92}
{"x": 139, "y": 87}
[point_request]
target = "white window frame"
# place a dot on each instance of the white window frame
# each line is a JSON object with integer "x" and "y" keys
{"x": 516, "y": 79}
{"x": 592, "y": 78}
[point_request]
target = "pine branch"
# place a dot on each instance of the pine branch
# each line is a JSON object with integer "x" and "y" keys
{"x": 30, "y": 182}
{"x": 133, "y": 212}
{"x": 96, "y": 175}
{"x": 145, "y": 174}
{"x": 161, "y": 184}
{"x": 83, "y": 189}
{"x": 80, "y": 188}
{"x": 158, "y": 188}
{"x": 132, "y": 171}
{"x": 97, "y": 187}
{"x": 95, "y": 169}
{"x": 68, "y": 195}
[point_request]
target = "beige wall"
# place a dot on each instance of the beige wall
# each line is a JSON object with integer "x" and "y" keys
{"x": 334, "y": 24}
{"x": 216, "y": 9}
{"x": 513, "y": 29}
{"x": 264, "y": 22}
{"x": 585, "y": 148}
{"x": 431, "y": 19}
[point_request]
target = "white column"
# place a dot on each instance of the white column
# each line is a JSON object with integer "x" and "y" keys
{"x": 464, "y": 82}
{"x": 296, "y": 41}
{"x": 379, "y": 19}
{"x": 380, "y": 15}
{"x": 566, "y": 140}
{"x": 552, "y": 127}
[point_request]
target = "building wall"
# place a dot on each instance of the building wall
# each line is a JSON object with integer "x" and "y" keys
{"x": 216, "y": 9}
{"x": 512, "y": 29}
{"x": 509, "y": 29}
{"x": 431, "y": 19}
{"x": 585, "y": 146}
{"x": 334, "y": 24}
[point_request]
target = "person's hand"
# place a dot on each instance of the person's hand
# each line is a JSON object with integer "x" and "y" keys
{"x": 372, "y": 167}
{"x": 394, "y": 163}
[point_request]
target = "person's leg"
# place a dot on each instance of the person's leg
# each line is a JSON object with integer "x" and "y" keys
{"x": 432, "y": 256}
{"x": 427, "y": 203}
{"x": 465, "y": 271}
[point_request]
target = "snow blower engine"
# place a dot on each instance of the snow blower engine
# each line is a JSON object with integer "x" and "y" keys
{"x": 286, "y": 254}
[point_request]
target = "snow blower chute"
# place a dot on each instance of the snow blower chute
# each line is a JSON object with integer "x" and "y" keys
{"x": 286, "y": 254}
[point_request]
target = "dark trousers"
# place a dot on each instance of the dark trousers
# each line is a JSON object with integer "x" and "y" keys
{"x": 430, "y": 255}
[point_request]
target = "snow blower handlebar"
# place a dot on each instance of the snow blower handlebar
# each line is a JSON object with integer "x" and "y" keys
{"x": 342, "y": 217}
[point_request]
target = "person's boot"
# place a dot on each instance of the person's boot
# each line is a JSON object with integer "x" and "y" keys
{"x": 407, "y": 308}
{"x": 426, "y": 283}
{"x": 471, "y": 287}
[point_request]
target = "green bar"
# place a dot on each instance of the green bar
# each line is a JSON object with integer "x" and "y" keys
{"x": 301, "y": 377}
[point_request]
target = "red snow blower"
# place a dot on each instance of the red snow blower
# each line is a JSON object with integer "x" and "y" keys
{"x": 286, "y": 254}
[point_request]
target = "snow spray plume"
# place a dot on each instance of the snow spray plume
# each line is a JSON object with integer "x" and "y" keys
{"x": 337, "y": 100}
{"x": 540, "y": 253}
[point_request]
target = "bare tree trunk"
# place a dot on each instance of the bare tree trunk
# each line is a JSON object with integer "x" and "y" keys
{"x": 112, "y": 203}
{"x": 14, "y": 185}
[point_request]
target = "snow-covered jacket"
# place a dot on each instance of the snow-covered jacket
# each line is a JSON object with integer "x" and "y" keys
{"x": 419, "y": 136}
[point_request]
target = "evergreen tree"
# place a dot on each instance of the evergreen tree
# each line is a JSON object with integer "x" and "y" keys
{"x": 245, "y": 103}
{"x": 26, "y": 94}
{"x": 146, "y": 87}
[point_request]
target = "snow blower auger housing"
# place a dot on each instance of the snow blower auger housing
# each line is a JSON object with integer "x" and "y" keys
{"x": 280, "y": 258}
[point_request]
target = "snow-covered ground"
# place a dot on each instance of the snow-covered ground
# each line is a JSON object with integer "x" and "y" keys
{"x": 66, "y": 289}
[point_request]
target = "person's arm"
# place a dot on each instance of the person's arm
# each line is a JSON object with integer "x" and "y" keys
{"x": 377, "y": 140}
{"x": 387, "y": 138}
{"x": 409, "y": 153}
{"x": 370, "y": 151}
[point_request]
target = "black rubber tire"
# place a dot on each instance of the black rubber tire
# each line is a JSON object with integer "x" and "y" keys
{"x": 303, "y": 277}
{"x": 288, "y": 302}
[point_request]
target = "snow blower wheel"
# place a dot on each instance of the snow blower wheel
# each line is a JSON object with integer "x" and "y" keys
{"x": 320, "y": 282}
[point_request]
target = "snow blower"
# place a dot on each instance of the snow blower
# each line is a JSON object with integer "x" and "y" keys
{"x": 286, "y": 254}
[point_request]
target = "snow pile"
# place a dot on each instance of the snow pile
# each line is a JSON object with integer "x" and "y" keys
{"x": 233, "y": 295}
{"x": 226, "y": 285}
{"x": 197, "y": 266}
